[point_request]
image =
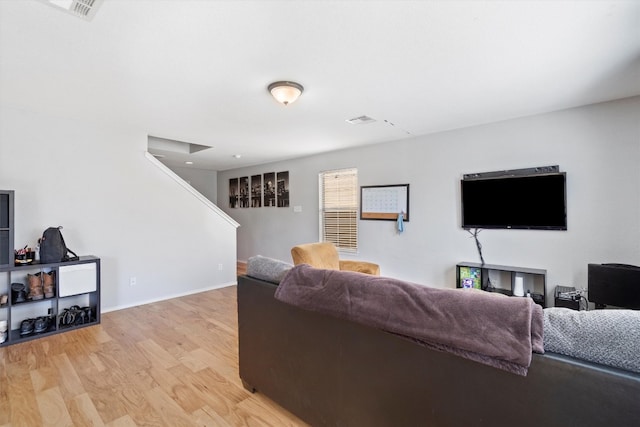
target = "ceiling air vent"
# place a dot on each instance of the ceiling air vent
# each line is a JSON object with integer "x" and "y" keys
{"x": 362, "y": 120}
{"x": 85, "y": 9}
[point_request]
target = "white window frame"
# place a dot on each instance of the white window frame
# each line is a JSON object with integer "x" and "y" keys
{"x": 342, "y": 206}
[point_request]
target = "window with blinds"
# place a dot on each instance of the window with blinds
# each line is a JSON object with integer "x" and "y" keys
{"x": 339, "y": 208}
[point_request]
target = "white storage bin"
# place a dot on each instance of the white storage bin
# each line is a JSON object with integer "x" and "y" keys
{"x": 77, "y": 279}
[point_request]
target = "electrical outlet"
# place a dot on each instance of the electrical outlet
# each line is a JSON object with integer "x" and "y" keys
{"x": 220, "y": 267}
{"x": 132, "y": 281}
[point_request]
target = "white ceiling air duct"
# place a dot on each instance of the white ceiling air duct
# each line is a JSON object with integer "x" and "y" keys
{"x": 85, "y": 9}
{"x": 361, "y": 120}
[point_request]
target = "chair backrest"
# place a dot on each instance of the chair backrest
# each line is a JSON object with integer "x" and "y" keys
{"x": 318, "y": 255}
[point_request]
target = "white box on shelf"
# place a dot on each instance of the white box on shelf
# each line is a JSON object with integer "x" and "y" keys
{"x": 77, "y": 279}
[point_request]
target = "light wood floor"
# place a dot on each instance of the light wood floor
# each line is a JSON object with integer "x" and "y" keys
{"x": 171, "y": 363}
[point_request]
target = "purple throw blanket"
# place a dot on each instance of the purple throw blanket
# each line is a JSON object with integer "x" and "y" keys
{"x": 489, "y": 328}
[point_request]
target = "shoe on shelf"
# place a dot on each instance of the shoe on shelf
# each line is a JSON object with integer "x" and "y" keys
{"x": 27, "y": 326}
{"x": 41, "y": 324}
{"x": 88, "y": 311}
{"x": 4, "y": 299}
{"x": 3, "y": 331}
{"x": 35, "y": 287}
{"x": 18, "y": 293}
{"x": 67, "y": 317}
{"x": 49, "y": 284}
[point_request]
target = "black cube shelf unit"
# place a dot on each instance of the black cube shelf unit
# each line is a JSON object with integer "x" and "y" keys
{"x": 77, "y": 283}
{"x": 75, "y": 302}
{"x": 6, "y": 228}
{"x": 502, "y": 279}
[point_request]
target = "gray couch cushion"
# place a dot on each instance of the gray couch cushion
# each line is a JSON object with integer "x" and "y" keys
{"x": 608, "y": 337}
{"x": 265, "y": 268}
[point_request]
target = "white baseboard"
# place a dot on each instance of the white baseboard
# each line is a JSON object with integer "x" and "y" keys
{"x": 183, "y": 294}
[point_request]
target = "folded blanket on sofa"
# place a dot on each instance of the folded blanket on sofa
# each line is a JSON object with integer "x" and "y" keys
{"x": 269, "y": 269}
{"x": 492, "y": 329}
{"x": 607, "y": 337}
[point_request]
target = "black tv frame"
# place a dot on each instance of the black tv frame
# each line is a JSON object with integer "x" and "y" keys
{"x": 509, "y": 174}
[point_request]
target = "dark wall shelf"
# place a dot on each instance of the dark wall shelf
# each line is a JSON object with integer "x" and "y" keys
{"x": 492, "y": 278}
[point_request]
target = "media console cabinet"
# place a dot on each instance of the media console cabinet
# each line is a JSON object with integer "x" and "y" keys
{"x": 503, "y": 279}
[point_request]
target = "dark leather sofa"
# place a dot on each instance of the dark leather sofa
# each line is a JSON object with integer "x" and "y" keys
{"x": 333, "y": 372}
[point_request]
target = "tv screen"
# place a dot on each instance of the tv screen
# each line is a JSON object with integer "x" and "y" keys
{"x": 523, "y": 202}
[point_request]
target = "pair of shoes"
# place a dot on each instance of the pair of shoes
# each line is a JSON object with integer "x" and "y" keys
{"x": 38, "y": 325}
{"x": 27, "y": 326}
{"x": 18, "y": 293}
{"x": 75, "y": 315}
{"x": 35, "y": 287}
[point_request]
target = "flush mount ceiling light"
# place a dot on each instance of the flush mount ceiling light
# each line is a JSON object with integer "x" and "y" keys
{"x": 285, "y": 92}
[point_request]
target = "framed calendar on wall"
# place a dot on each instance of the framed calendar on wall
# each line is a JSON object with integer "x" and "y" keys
{"x": 384, "y": 202}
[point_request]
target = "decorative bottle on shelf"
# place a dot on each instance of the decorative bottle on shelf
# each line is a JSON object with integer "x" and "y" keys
{"x": 518, "y": 286}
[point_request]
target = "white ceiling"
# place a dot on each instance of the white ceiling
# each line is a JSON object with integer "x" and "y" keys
{"x": 197, "y": 71}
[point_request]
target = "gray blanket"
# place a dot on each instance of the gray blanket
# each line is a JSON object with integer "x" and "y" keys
{"x": 608, "y": 337}
{"x": 269, "y": 269}
{"x": 489, "y": 328}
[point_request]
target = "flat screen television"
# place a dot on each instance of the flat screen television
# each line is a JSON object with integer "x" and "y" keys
{"x": 535, "y": 201}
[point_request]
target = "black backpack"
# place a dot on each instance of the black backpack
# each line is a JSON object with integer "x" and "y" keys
{"x": 53, "y": 248}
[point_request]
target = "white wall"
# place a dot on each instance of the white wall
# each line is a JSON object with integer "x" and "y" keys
{"x": 598, "y": 146}
{"x": 205, "y": 181}
{"x": 113, "y": 203}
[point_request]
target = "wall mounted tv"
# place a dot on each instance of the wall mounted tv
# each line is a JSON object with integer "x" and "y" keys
{"x": 533, "y": 198}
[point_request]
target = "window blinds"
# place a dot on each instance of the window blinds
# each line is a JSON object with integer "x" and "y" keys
{"x": 339, "y": 208}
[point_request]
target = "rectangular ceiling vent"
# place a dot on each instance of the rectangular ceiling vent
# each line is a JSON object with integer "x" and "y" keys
{"x": 362, "y": 120}
{"x": 85, "y": 9}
